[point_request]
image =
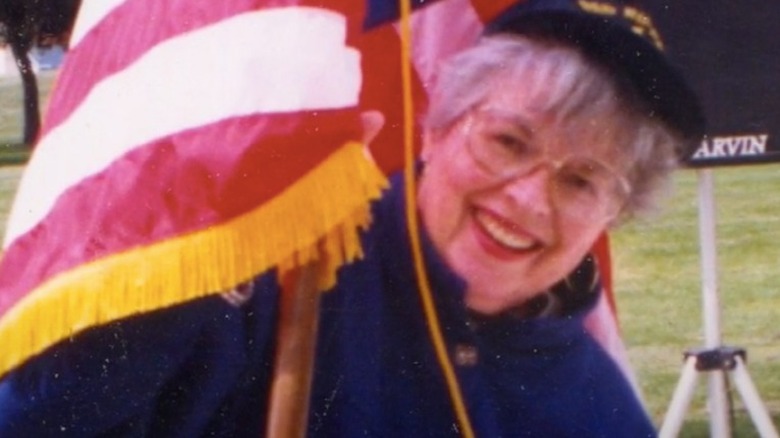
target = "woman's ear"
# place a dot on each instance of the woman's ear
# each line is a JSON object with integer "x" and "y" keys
{"x": 372, "y": 121}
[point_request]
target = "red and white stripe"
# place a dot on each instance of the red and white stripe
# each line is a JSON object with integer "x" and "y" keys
{"x": 176, "y": 85}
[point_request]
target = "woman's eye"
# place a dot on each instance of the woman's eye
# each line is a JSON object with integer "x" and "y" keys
{"x": 577, "y": 182}
{"x": 510, "y": 142}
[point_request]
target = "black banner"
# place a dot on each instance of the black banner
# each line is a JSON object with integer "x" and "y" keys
{"x": 730, "y": 52}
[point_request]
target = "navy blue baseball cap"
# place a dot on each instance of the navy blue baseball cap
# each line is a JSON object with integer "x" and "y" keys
{"x": 621, "y": 38}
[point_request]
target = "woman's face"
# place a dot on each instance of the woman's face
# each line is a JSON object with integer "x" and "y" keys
{"x": 511, "y": 231}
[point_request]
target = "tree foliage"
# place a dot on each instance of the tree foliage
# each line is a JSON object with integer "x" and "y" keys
{"x": 24, "y": 24}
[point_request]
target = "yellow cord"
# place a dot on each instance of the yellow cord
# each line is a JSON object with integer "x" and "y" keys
{"x": 429, "y": 308}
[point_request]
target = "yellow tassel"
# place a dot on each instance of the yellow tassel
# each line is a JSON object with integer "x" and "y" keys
{"x": 316, "y": 218}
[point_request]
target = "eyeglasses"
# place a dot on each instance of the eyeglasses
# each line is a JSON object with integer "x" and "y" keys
{"x": 581, "y": 187}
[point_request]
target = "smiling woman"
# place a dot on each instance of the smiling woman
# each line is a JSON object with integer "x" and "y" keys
{"x": 522, "y": 173}
{"x": 558, "y": 123}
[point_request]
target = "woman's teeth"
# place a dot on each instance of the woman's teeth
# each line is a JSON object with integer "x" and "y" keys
{"x": 502, "y": 233}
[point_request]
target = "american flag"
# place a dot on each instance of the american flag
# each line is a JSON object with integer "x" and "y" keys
{"x": 191, "y": 145}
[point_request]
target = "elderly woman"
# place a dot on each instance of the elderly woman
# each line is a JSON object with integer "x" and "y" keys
{"x": 537, "y": 140}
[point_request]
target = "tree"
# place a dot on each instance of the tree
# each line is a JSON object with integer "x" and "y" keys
{"x": 24, "y": 24}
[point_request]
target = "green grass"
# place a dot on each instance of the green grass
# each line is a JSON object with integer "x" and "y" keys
{"x": 9, "y": 179}
{"x": 12, "y": 151}
{"x": 657, "y": 275}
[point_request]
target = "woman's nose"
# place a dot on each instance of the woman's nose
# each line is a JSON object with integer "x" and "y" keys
{"x": 533, "y": 190}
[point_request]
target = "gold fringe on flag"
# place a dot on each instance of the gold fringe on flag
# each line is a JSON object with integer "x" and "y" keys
{"x": 318, "y": 218}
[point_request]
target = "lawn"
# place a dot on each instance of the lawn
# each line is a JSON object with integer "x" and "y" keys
{"x": 657, "y": 275}
{"x": 10, "y": 110}
{"x": 13, "y": 154}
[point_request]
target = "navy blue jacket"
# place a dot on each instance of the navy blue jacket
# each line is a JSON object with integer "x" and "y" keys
{"x": 203, "y": 368}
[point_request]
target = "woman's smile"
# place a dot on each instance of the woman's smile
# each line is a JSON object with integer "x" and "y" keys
{"x": 494, "y": 230}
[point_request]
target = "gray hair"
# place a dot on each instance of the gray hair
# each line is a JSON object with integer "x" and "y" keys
{"x": 577, "y": 88}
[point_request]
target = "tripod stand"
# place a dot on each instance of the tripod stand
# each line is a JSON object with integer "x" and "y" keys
{"x": 714, "y": 359}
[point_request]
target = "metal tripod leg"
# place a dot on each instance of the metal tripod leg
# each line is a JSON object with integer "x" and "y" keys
{"x": 750, "y": 397}
{"x": 675, "y": 414}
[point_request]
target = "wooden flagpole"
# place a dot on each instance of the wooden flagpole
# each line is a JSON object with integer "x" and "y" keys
{"x": 297, "y": 337}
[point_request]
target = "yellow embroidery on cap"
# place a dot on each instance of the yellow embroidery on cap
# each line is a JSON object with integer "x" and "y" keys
{"x": 595, "y": 7}
{"x": 643, "y": 25}
{"x": 656, "y": 37}
{"x": 637, "y": 16}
